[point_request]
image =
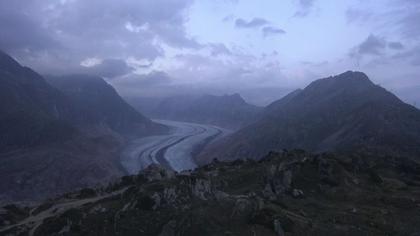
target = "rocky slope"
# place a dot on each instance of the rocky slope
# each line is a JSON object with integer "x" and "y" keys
{"x": 228, "y": 111}
{"x": 288, "y": 193}
{"x": 345, "y": 113}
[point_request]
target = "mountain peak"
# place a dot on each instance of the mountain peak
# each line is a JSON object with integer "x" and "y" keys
{"x": 350, "y": 81}
{"x": 235, "y": 97}
{"x": 353, "y": 75}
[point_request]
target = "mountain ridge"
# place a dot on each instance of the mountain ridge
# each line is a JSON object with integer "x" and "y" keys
{"x": 341, "y": 113}
{"x": 227, "y": 111}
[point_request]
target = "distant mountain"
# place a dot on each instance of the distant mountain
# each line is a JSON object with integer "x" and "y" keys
{"x": 100, "y": 104}
{"x": 228, "y": 111}
{"x": 345, "y": 113}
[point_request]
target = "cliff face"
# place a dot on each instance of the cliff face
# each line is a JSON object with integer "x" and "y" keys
{"x": 289, "y": 193}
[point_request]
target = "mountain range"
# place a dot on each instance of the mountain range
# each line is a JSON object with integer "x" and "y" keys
{"x": 227, "y": 111}
{"x": 343, "y": 113}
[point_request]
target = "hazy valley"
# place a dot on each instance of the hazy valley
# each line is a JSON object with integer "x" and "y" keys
{"x": 86, "y": 135}
{"x": 188, "y": 117}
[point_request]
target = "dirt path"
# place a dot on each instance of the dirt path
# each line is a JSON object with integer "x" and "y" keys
{"x": 34, "y": 221}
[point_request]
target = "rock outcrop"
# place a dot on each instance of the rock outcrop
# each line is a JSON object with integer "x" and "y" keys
{"x": 288, "y": 193}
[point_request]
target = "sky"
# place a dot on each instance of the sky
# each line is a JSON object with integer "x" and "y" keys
{"x": 260, "y": 49}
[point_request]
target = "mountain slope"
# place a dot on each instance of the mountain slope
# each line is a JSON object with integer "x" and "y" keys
{"x": 228, "y": 111}
{"x": 100, "y": 104}
{"x": 289, "y": 193}
{"x": 42, "y": 150}
{"x": 341, "y": 113}
{"x": 31, "y": 111}
{"x": 53, "y": 141}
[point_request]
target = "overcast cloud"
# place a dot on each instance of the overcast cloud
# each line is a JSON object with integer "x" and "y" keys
{"x": 161, "y": 47}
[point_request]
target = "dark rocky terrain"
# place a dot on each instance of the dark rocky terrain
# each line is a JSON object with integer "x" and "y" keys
{"x": 288, "y": 193}
{"x": 51, "y": 141}
{"x": 228, "y": 111}
{"x": 344, "y": 113}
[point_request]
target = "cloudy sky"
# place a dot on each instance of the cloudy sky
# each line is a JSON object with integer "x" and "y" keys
{"x": 261, "y": 49}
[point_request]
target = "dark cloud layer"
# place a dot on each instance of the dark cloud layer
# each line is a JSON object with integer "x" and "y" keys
{"x": 306, "y": 3}
{"x": 304, "y": 7}
{"x": 146, "y": 81}
{"x": 396, "y": 45}
{"x": 22, "y": 30}
{"x": 153, "y": 84}
{"x": 410, "y": 23}
{"x": 122, "y": 38}
{"x": 110, "y": 68}
{"x": 373, "y": 45}
{"x": 377, "y": 47}
{"x": 257, "y": 23}
{"x": 58, "y": 33}
{"x": 254, "y": 23}
{"x": 411, "y": 56}
{"x": 270, "y": 30}
{"x": 219, "y": 49}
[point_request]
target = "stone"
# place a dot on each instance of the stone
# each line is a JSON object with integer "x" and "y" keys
{"x": 157, "y": 172}
{"x": 169, "y": 229}
{"x": 278, "y": 228}
{"x": 201, "y": 188}
{"x": 297, "y": 193}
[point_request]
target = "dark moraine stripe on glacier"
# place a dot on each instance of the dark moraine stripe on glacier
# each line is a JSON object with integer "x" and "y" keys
{"x": 174, "y": 150}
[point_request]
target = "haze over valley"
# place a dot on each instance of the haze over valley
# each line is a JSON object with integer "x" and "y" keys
{"x": 227, "y": 117}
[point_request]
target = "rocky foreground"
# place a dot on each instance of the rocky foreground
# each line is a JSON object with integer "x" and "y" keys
{"x": 289, "y": 193}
